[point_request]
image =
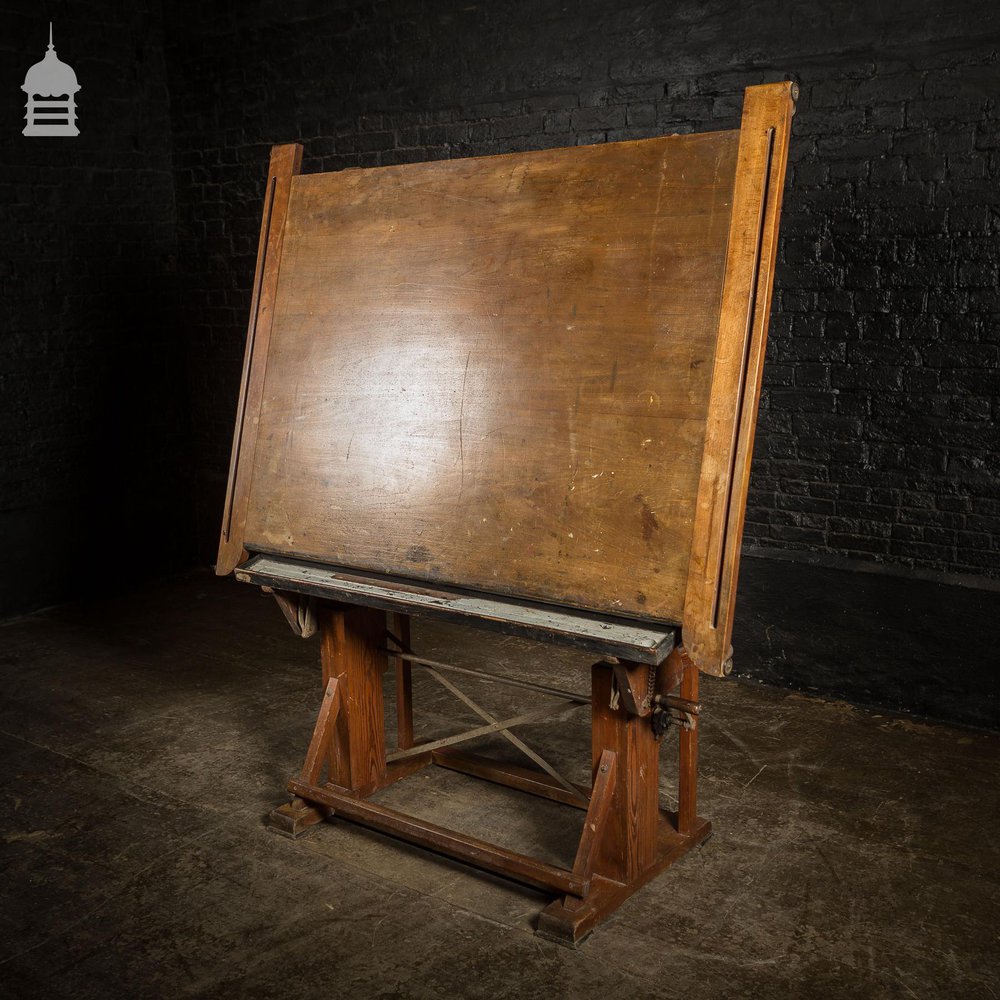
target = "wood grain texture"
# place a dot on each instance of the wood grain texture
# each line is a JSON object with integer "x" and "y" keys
{"x": 399, "y": 625}
{"x": 352, "y": 653}
{"x": 286, "y": 161}
{"x": 471, "y": 850}
{"x": 687, "y": 771}
{"x": 495, "y": 372}
{"x": 725, "y": 468}
{"x": 570, "y": 920}
{"x": 596, "y": 819}
{"x": 319, "y": 746}
{"x": 628, "y": 846}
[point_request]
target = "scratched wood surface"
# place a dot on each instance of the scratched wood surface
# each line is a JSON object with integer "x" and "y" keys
{"x": 765, "y": 133}
{"x": 495, "y": 372}
{"x": 352, "y": 652}
{"x": 285, "y": 163}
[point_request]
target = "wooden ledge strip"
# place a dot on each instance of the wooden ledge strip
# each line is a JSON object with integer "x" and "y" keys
{"x": 642, "y": 642}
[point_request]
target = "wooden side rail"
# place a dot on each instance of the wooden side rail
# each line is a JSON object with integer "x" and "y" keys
{"x": 437, "y": 838}
{"x": 709, "y": 603}
{"x": 286, "y": 162}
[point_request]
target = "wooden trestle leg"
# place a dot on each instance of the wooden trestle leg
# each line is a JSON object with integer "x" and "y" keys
{"x": 640, "y": 840}
{"x": 626, "y": 838}
{"x": 350, "y": 731}
{"x": 400, "y": 632}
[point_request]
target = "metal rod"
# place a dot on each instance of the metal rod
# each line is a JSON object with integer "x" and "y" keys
{"x": 471, "y": 734}
{"x": 680, "y": 704}
{"x": 583, "y": 699}
{"x": 510, "y": 737}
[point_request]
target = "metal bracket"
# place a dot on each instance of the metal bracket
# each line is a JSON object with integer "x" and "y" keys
{"x": 661, "y": 720}
{"x": 635, "y": 684}
{"x": 568, "y": 700}
{"x": 672, "y": 708}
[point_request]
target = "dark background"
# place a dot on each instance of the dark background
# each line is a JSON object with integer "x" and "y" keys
{"x": 126, "y": 258}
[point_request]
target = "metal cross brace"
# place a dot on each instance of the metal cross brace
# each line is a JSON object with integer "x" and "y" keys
{"x": 494, "y": 724}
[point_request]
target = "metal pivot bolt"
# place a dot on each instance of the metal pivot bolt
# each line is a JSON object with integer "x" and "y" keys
{"x": 670, "y": 708}
{"x": 661, "y": 720}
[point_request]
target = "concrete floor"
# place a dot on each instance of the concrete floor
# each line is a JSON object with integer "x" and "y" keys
{"x": 143, "y": 739}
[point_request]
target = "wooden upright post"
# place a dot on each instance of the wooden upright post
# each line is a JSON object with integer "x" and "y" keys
{"x": 629, "y": 843}
{"x": 687, "y": 777}
{"x": 352, "y": 651}
{"x": 637, "y": 840}
{"x": 404, "y": 683}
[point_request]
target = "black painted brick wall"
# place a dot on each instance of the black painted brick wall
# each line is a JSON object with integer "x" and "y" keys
{"x": 91, "y": 369}
{"x": 878, "y": 432}
{"x": 118, "y": 378}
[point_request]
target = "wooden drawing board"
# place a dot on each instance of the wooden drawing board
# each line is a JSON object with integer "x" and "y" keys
{"x": 532, "y": 375}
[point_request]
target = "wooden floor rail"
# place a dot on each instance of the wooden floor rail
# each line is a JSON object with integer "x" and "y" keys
{"x": 476, "y": 852}
{"x": 510, "y": 775}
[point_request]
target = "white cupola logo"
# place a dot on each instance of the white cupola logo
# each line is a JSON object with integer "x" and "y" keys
{"x": 51, "y": 88}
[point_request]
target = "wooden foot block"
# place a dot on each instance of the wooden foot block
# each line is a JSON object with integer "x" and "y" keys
{"x": 294, "y": 818}
{"x": 569, "y": 920}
